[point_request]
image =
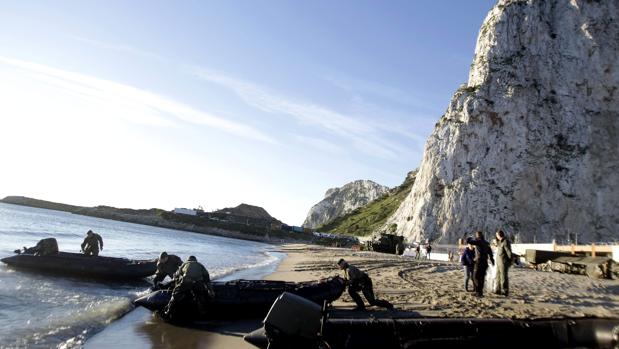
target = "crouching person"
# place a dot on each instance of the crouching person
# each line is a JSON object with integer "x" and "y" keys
{"x": 360, "y": 281}
{"x": 191, "y": 294}
{"x": 167, "y": 265}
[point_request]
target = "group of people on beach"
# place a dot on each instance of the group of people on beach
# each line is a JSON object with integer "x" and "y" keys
{"x": 427, "y": 248}
{"x": 192, "y": 289}
{"x": 191, "y": 286}
{"x": 190, "y": 281}
{"x": 475, "y": 259}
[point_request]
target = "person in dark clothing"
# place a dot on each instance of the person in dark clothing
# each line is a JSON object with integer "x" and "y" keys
{"x": 418, "y": 251}
{"x": 428, "y": 250}
{"x": 467, "y": 259}
{"x": 167, "y": 265}
{"x": 192, "y": 291}
{"x": 92, "y": 243}
{"x": 360, "y": 281}
{"x": 483, "y": 253}
{"x": 503, "y": 262}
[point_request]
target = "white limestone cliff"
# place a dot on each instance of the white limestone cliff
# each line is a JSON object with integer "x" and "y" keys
{"x": 531, "y": 143}
{"x": 340, "y": 201}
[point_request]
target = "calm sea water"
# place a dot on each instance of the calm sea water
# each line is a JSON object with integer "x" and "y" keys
{"x": 52, "y": 311}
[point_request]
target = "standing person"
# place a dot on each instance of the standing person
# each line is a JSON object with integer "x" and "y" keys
{"x": 503, "y": 262}
{"x": 428, "y": 250}
{"x": 92, "y": 243}
{"x": 360, "y": 281}
{"x": 483, "y": 253}
{"x": 167, "y": 265}
{"x": 192, "y": 290}
{"x": 418, "y": 251}
{"x": 467, "y": 259}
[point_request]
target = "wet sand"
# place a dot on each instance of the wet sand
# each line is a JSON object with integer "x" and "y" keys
{"x": 142, "y": 329}
{"x": 425, "y": 288}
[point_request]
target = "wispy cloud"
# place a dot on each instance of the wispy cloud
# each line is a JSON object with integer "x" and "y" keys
{"x": 361, "y": 133}
{"x": 121, "y": 48}
{"x": 366, "y": 131}
{"x": 376, "y": 89}
{"x": 321, "y": 144}
{"x": 408, "y": 124}
{"x": 141, "y": 106}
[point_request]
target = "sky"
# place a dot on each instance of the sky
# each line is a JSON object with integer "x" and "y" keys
{"x": 166, "y": 104}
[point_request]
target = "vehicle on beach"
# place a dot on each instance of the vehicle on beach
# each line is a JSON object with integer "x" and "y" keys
{"x": 78, "y": 264}
{"x": 386, "y": 243}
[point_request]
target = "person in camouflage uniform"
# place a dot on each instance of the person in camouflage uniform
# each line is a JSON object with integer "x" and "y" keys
{"x": 192, "y": 291}
{"x": 92, "y": 243}
{"x": 360, "y": 281}
{"x": 167, "y": 265}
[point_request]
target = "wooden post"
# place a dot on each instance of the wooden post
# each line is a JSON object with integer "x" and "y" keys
{"x": 592, "y": 250}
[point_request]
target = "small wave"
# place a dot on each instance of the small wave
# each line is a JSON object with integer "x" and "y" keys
{"x": 77, "y": 325}
{"x": 269, "y": 260}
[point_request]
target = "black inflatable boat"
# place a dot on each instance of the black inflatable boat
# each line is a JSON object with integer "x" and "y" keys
{"x": 77, "y": 264}
{"x": 247, "y": 298}
{"x": 293, "y": 322}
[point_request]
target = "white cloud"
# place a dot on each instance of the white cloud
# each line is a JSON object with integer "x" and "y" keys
{"x": 132, "y": 104}
{"x": 362, "y": 134}
{"x": 121, "y": 48}
{"x": 372, "y": 88}
{"x": 321, "y": 144}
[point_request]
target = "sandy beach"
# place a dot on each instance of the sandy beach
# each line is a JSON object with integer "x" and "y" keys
{"x": 427, "y": 288}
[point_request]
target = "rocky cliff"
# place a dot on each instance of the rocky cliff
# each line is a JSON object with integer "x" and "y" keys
{"x": 369, "y": 219}
{"x": 531, "y": 143}
{"x": 340, "y": 201}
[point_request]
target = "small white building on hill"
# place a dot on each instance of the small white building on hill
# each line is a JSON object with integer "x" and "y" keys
{"x": 185, "y": 211}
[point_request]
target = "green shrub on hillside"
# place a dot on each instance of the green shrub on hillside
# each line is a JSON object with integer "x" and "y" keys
{"x": 365, "y": 220}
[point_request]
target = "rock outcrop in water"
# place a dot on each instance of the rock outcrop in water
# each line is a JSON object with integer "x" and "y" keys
{"x": 340, "y": 201}
{"x": 531, "y": 143}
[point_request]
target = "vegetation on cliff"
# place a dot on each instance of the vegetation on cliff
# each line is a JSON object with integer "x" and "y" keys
{"x": 368, "y": 219}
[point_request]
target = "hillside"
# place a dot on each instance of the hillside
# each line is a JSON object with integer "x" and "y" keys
{"x": 343, "y": 200}
{"x": 368, "y": 219}
{"x": 246, "y": 229}
{"x": 246, "y": 210}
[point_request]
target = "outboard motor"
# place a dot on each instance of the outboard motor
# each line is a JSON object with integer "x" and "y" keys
{"x": 292, "y": 322}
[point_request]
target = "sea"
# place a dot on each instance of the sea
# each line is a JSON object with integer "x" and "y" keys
{"x": 50, "y": 311}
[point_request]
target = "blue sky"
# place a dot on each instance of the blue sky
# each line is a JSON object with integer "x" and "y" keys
{"x": 178, "y": 104}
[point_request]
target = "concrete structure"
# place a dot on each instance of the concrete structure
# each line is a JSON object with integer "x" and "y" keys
{"x": 593, "y": 249}
{"x": 185, "y": 211}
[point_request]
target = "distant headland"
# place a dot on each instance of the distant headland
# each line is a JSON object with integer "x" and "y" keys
{"x": 245, "y": 221}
